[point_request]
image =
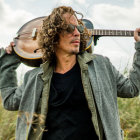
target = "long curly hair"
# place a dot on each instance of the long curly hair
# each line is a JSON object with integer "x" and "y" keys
{"x": 52, "y": 27}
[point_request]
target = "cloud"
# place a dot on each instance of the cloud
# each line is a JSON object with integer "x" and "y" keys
{"x": 11, "y": 21}
{"x": 65, "y": 2}
{"x": 70, "y": 2}
{"x": 116, "y": 16}
{"x": 137, "y": 3}
{"x": 81, "y": 1}
{"x": 78, "y": 5}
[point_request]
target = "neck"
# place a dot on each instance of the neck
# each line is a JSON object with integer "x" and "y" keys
{"x": 64, "y": 63}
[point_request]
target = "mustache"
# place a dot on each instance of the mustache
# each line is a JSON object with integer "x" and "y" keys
{"x": 75, "y": 39}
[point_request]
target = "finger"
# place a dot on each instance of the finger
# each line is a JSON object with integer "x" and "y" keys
{"x": 12, "y": 44}
{"x": 138, "y": 29}
{"x": 9, "y": 48}
{"x": 136, "y": 36}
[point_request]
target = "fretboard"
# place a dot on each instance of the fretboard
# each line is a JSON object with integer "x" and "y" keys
{"x": 111, "y": 32}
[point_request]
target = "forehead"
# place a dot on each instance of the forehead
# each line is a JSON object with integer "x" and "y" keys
{"x": 70, "y": 19}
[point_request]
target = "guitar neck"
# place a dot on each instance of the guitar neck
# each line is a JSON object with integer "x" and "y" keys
{"x": 98, "y": 32}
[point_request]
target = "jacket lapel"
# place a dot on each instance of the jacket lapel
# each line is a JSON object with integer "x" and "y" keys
{"x": 90, "y": 60}
{"x": 94, "y": 79}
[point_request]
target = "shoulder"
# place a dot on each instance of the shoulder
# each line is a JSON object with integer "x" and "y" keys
{"x": 101, "y": 61}
{"x": 102, "y": 65}
{"x": 98, "y": 57}
{"x": 33, "y": 73}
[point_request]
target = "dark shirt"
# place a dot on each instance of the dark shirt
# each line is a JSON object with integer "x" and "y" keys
{"x": 69, "y": 117}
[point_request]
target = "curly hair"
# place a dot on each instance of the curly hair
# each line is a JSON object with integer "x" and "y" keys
{"x": 52, "y": 27}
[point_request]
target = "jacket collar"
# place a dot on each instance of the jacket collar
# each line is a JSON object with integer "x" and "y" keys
{"x": 83, "y": 59}
{"x": 47, "y": 70}
{"x": 86, "y": 57}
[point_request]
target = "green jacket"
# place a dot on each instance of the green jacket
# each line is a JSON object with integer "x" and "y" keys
{"x": 101, "y": 82}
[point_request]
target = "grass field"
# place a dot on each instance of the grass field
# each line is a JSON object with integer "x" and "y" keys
{"x": 130, "y": 117}
{"x": 7, "y": 124}
{"x": 129, "y": 110}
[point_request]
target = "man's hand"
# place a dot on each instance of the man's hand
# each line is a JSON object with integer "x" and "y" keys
{"x": 9, "y": 48}
{"x": 136, "y": 36}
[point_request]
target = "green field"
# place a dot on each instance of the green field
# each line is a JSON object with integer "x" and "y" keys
{"x": 129, "y": 115}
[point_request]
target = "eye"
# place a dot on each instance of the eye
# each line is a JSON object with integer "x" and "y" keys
{"x": 70, "y": 28}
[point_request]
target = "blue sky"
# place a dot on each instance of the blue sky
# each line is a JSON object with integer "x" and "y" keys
{"x": 105, "y": 14}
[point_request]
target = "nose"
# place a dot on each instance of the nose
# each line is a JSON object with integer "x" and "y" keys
{"x": 76, "y": 32}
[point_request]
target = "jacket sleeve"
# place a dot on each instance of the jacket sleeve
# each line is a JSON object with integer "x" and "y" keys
{"x": 130, "y": 86}
{"x": 10, "y": 93}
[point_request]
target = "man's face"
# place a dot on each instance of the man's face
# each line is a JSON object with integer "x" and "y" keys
{"x": 69, "y": 43}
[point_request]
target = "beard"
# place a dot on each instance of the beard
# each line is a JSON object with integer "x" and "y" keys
{"x": 75, "y": 50}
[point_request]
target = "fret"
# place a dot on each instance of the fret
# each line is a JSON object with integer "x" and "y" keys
{"x": 132, "y": 33}
{"x": 118, "y": 32}
{"x": 123, "y": 33}
{"x": 127, "y": 33}
{"x": 107, "y": 32}
{"x": 110, "y": 33}
{"x": 99, "y": 32}
{"x": 114, "y": 32}
{"x": 94, "y": 33}
{"x": 104, "y": 32}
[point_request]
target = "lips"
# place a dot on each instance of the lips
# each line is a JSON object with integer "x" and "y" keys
{"x": 76, "y": 41}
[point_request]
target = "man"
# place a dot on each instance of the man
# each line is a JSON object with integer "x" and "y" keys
{"x": 74, "y": 91}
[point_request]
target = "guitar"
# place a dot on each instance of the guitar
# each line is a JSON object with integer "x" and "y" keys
{"x": 26, "y": 42}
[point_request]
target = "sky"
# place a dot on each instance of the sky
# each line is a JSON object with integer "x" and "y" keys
{"x": 104, "y": 14}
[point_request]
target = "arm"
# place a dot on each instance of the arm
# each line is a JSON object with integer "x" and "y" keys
{"x": 130, "y": 87}
{"x": 10, "y": 93}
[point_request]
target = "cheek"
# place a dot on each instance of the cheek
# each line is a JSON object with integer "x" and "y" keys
{"x": 65, "y": 39}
